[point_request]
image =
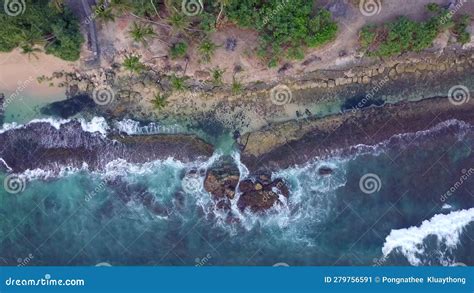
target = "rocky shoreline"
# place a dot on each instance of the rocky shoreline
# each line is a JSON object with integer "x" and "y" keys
{"x": 297, "y": 142}
{"x": 368, "y": 104}
{"x": 408, "y": 77}
{"x": 43, "y": 146}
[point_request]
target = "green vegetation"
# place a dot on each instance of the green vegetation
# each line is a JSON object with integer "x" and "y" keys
{"x": 459, "y": 29}
{"x": 141, "y": 33}
{"x": 159, "y": 101}
{"x": 179, "y": 22}
{"x": 103, "y": 12}
{"x": 405, "y": 35}
{"x": 142, "y": 8}
{"x": 133, "y": 64}
{"x": 284, "y": 25}
{"x": 41, "y": 25}
{"x": 178, "y": 83}
{"x": 217, "y": 75}
{"x": 208, "y": 22}
{"x": 178, "y": 50}
{"x": 236, "y": 86}
{"x": 207, "y": 49}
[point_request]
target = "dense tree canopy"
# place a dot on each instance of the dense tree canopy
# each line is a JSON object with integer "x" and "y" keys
{"x": 406, "y": 35}
{"x": 41, "y": 24}
{"x": 285, "y": 26}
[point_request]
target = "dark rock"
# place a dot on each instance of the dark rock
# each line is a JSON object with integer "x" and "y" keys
{"x": 71, "y": 146}
{"x": 261, "y": 196}
{"x": 2, "y": 107}
{"x": 310, "y": 60}
{"x": 342, "y": 53}
{"x": 325, "y": 171}
{"x": 221, "y": 181}
{"x": 230, "y": 44}
{"x": 284, "y": 68}
{"x": 69, "y": 107}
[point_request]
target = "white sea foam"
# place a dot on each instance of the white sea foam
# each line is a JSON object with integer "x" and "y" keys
{"x": 57, "y": 172}
{"x": 411, "y": 137}
{"x": 5, "y": 164}
{"x": 97, "y": 124}
{"x": 409, "y": 241}
{"x": 132, "y": 127}
{"x": 121, "y": 167}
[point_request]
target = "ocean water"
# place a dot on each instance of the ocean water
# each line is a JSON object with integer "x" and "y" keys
{"x": 405, "y": 201}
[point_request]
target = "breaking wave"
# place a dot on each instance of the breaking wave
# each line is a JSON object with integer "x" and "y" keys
{"x": 411, "y": 242}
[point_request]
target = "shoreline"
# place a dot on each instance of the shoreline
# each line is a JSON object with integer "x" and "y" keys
{"x": 295, "y": 143}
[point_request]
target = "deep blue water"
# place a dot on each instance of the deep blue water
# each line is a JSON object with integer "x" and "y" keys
{"x": 140, "y": 214}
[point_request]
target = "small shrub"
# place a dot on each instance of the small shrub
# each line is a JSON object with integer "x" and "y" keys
{"x": 178, "y": 50}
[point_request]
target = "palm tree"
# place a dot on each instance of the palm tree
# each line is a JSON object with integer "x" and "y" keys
{"x": 207, "y": 49}
{"x": 179, "y": 22}
{"x": 103, "y": 11}
{"x": 133, "y": 64}
{"x": 217, "y": 75}
{"x": 159, "y": 101}
{"x": 141, "y": 33}
{"x": 32, "y": 38}
{"x": 121, "y": 6}
{"x": 178, "y": 83}
{"x": 29, "y": 43}
{"x": 30, "y": 50}
{"x": 58, "y": 5}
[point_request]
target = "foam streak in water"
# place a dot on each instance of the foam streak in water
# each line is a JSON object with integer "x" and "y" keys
{"x": 97, "y": 124}
{"x": 447, "y": 229}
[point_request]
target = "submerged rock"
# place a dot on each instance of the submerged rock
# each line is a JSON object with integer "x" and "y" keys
{"x": 325, "y": 171}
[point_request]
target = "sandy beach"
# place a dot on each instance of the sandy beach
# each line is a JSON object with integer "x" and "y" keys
{"x": 20, "y": 72}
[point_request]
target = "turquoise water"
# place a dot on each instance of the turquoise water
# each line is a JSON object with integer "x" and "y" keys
{"x": 24, "y": 107}
{"x": 143, "y": 214}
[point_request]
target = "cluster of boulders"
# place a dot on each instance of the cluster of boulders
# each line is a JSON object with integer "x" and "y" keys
{"x": 257, "y": 194}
